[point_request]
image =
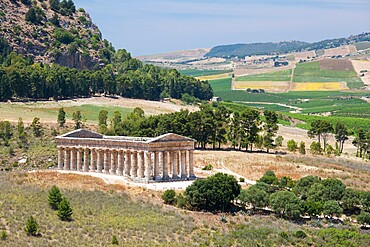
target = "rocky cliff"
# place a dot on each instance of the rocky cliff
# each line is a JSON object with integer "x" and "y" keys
{"x": 52, "y": 31}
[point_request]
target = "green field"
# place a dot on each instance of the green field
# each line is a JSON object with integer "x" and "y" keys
{"x": 29, "y": 111}
{"x": 311, "y": 72}
{"x": 283, "y": 75}
{"x": 362, "y": 45}
{"x": 220, "y": 84}
{"x": 196, "y": 73}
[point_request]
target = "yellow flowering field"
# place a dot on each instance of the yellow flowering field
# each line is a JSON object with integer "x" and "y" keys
{"x": 320, "y": 86}
{"x": 269, "y": 86}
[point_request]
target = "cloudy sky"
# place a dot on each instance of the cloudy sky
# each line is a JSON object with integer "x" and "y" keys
{"x": 156, "y": 26}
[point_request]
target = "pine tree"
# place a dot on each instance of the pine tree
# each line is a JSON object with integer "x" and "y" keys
{"x": 32, "y": 227}
{"x": 61, "y": 117}
{"x": 55, "y": 197}
{"x": 31, "y": 16}
{"x": 77, "y": 118}
{"x": 37, "y": 127}
{"x": 64, "y": 210}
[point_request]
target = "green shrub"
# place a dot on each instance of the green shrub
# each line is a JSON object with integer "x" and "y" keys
{"x": 302, "y": 148}
{"x": 284, "y": 235}
{"x": 32, "y": 227}
{"x": 364, "y": 218}
{"x": 63, "y": 36}
{"x": 315, "y": 148}
{"x": 242, "y": 180}
{"x": 279, "y": 141}
{"x": 300, "y": 234}
{"x": 180, "y": 201}
{"x": 207, "y": 167}
{"x": 114, "y": 240}
{"x": 269, "y": 178}
{"x": 55, "y": 197}
{"x": 3, "y": 235}
{"x": 169, "y": 197}
{"x": 292, "y": 146}
{"x": 64, "y": 210}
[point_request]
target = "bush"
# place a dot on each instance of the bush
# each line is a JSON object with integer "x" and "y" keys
{"x": 64, "y": 210}
{"x": 32, "y": 227}
{"x": 269, "y": 178}
{"x": 302, "y": 148}
{"x": 287, "y": 204}
{"x": 254, "y": 196}
{"x": 284, "y": 235}
{"x": 180, "y": 201}
{"x": 331, "y": 208}
{"x": 55, "y": 197}
{"x": 4, "y": 235}
{"x": 300, "y": 234}
{"x": 169, "y": 197}
{"x": 315, "y": 148}
{"x": 114, "y": 240}
{"x": 207, "y": 167}
{"x": 63, "y": 36}
{"x": 213, "y": 193}
{"x": 292, "y": 146}
{"x": 364, "y": 218}
{"x": 242, "y": 180}
{"x": 279, "y": 141}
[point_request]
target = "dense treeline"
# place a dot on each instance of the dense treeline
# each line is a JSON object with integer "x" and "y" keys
{"x": 124, "y": 76}
{"x": 209, "y": 126}
{"x": 242, "y": 50}
{"x": 291, "y": 199}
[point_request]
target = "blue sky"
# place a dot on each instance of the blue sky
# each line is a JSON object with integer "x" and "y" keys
{"x": 156, "y": 26}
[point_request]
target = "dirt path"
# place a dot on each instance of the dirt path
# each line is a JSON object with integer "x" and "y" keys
{"x": 295, "y": 108}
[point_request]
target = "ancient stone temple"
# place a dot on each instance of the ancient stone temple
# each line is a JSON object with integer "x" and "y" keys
{"x": 167, "y": 157}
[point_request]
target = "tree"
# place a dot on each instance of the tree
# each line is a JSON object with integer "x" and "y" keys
{"x": 270, "y": 128}
{"x": 77, "y": 118}
{"x": 321, "y": 129}
{"x": 32, "y": 227}
{"x": 116, "y": 121}
{"x": 315, "y": 148}
{"x": 341, "y": 135}
{"x": 304, "y": 185}
{"x": 365, "y": 200}
{"x": 37, "y": 127}
{"x": 279, "y": 141}
{"x": 102, "y": 121}
{"x": 334, "y": 189}
{"x": 6, "y": 131}
{"x": 249, "y": 122}
{"x": 54, "y": 4}
{"x": 61, "y": 117}
{"x": 55, "y": 20}
{"x": 332, "y": 208}
{"x": 64, "y": 210}
{"x": 55, "y": 197}
{"x": 302, "y": 148}
{"x": 169, "y": 197}
{"x": 292, "y": 145}
{"x": 31, "y": 15}
{"x": 363, "y": 218}
{"x": 213, "y": 193}
{"x": 350, "y": 199}
{"x": 286, "y": 203}
{"x": 269, "y": 178}
{"x": 254, "y": 196}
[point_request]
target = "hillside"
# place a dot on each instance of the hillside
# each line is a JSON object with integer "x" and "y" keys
{"x": 52, "y": 33}
{"x": 242, "y": 50}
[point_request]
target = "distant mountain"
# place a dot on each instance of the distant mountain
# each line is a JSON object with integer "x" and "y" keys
{"x": 242, "y": 50}
{"x": 52, "y": 32}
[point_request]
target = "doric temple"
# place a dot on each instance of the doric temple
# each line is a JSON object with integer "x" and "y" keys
{"x": 167, "y": 157}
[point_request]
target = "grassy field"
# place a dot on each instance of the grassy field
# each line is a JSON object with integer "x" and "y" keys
{"x": 362, "y": 45}
{"x": 283, "y": 75}
{"x": 138, "y": 218}
{"x": 311, "y": 72}
{"x": 45, "y": 113}
{"x": 221, "y": 84}
{"x": 197, "y": 73}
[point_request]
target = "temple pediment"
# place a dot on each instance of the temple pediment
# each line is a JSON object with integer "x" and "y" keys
{"x": 82, "y": 133}
{"x": 171, "y": 137}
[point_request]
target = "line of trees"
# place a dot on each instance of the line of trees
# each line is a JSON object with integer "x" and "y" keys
{"x": 125, "y": 76}
{"x": 210, "y": 126}
{"x": 291, "y": 199}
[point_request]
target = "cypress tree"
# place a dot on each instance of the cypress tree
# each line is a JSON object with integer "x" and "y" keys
{"x": 61, "y": 117}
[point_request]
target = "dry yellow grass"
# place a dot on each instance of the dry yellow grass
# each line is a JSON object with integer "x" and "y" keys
{"x": 214, "y": 77}
{"x": 320, "y": 86}
{"x": 270, "y": 86}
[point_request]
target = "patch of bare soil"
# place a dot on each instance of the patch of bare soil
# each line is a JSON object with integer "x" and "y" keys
{"x": 336, "y": 64}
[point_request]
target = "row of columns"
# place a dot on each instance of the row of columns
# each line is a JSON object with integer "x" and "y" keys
{"x": 138, "y": 165}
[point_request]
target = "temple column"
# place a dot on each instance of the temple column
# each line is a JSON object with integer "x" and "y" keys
{"x": 100, "y": 160}
{"x": 133, "y": 164}
{"x": 74, "y": 159}
{"x": 106, "y": 161}
{"x": 156, "y": 166}
{"x": 60, "y": 158}
{"x": 113, "y": 162}
{"x": 148, "y": 165}
{"x": 183, "y": 164}
{"x": 165, "y": 165}
{"x": 191, "y": 164}
{"x": 127, "y": 163}
{"x": 174, "y": 156}
{"x": 67, "y": 159}
{"x": 93, "y": 161}
{"x": 86, "y": 160}
{"x": 79, "y": 159}
{"x": 120, "y": 163}
{"x": 141, "y": 164}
